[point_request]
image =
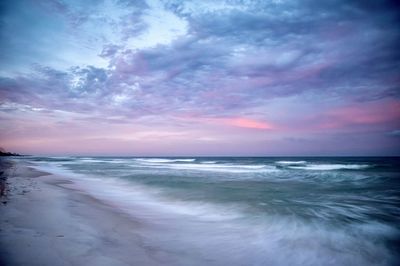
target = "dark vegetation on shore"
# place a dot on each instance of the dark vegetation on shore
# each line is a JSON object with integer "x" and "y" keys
{"x": 6, "y": 153}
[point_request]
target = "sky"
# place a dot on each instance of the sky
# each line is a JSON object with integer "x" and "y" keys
{"x": 181, "y": 78}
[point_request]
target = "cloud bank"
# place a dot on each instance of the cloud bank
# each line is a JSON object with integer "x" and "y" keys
{"x": 209, "y": 78}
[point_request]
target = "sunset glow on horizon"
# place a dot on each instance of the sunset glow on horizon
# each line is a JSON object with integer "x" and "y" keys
{"x": 190, "y": 78}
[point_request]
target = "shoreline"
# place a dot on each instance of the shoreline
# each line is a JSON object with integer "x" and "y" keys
{"x": 55, "y": 216}
{"x": 43, "y": 211}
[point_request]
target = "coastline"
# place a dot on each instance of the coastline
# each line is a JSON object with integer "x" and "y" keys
{"x": 92, "y": 212}
{"x": 45, "y": 221}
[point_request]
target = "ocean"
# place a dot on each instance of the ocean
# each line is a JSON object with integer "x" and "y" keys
{"x": 252, "y": 211}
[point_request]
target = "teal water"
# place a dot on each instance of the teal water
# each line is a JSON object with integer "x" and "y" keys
{"x": 256, "y": 211}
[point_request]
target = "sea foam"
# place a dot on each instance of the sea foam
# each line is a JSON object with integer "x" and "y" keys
{"x": 328, "y": 167}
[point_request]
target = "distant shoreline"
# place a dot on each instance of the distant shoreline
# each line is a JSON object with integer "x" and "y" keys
{"x": 5, "y": 153}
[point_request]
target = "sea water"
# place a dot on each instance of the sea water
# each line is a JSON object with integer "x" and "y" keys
{"x": 252, "y": 211}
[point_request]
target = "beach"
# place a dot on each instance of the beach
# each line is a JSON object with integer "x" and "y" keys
{"x": 47, "y": 221}
{"x": 198, "y": 211}
{"x": 199, "y": 133}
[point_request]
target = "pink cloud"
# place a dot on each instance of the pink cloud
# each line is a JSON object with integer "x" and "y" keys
{"x": 237, "y": 121}
{"x": 362, "y": 114}
{"x": 245, "y": 123}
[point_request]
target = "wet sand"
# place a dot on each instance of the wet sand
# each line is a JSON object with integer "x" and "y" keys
{"x": 46, "y": 220}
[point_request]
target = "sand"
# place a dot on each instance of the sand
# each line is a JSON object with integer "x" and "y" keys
{"x": 46, "y": 220}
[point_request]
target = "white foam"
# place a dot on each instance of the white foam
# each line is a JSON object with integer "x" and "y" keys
{"x": 128, "y": 195}
{"x": 291, "y": 162}
{"x": 162, "y": 160}
{"x": 228, "y": 168}
{"x": 327, "y": 167}
{"x": 188, "y": 164}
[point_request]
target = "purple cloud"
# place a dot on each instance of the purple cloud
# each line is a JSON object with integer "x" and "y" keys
{"x": 267, "y": 72}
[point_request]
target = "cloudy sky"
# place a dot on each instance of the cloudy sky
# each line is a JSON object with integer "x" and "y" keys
{"x": 271, "y": 77}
